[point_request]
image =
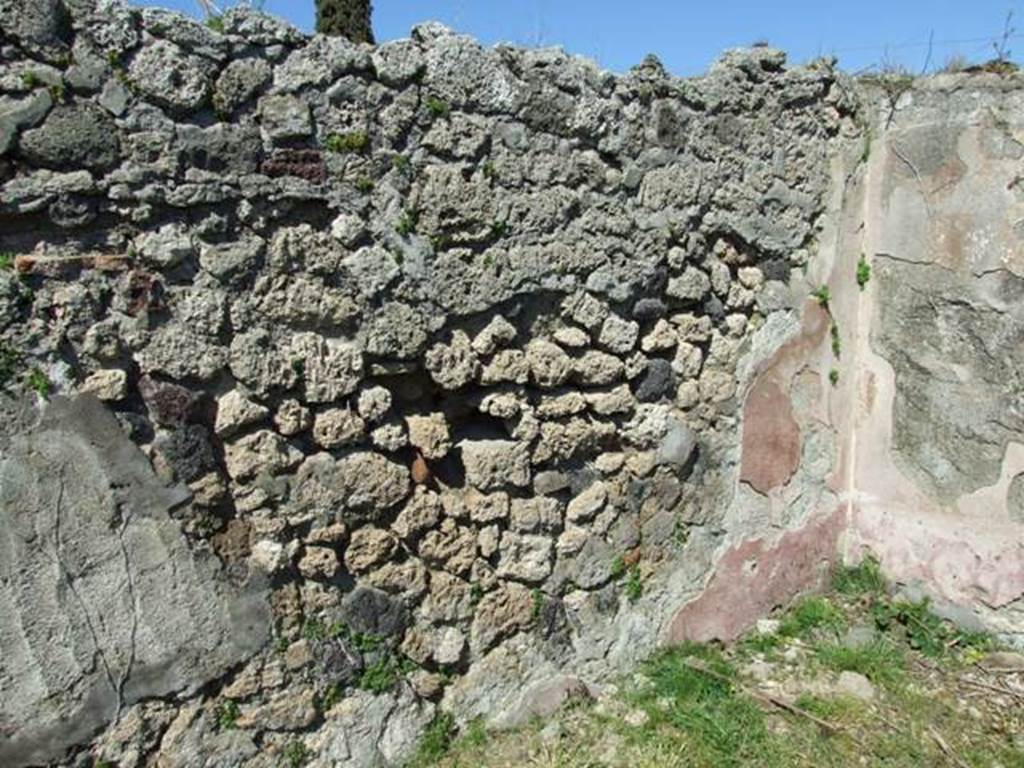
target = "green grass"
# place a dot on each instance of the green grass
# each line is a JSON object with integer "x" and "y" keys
{"x": 634, "y": 588}
{"x": 863, "y": 272}
{"x": 332, "y": 695}
{"x": 39, "y": 383}
{"x": 865, "y": 578}
{"x": 833, "y": 377}
{"x": 6, "y": 261}
{"x": 382, "y": 675}
{"x": 538, "y": 601}
{"x": 722, "y": 727}
{"x": 400, "y": 163}
{"x": 226, "y": 715}
{"x": 698, "y": 706}
{"x": 925, "y": 631}
{"x": 10, "y": 361}
{"x": 837, "y": 342}
{"x": 880, "y": 661}
{"x": 407, "y": 222}
{"x": 353, "y": 142}
{"x": 435, "y": 742}
{"x": 499, "y": 229}
{"x": 436, "y": 107}
{"x": 822, "y": 295}
{"x": 297, "y": 754}
{"x": 810, "y": 616}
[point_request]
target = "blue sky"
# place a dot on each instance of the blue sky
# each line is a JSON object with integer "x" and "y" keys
{"x": 687, "y": 35}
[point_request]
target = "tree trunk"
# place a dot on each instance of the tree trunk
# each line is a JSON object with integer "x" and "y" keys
{"x": 345, "y": 18}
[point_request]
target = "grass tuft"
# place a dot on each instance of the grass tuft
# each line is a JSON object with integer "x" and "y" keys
{"x": 880, "y": 661}
{"x": 353, "y": 142}
{"x": 865, "y": 578}
{"x": 812, "y": 615}
{"x": 863, "y": 272}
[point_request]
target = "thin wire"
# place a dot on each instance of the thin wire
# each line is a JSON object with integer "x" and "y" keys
{"x": 903, "y": 46}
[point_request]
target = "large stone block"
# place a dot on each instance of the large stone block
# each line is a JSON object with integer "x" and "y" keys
{"x": 90, "y": 555}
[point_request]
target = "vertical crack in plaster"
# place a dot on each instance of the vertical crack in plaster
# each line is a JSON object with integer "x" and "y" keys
{"x": 126, "y": 672}
{"x": 65, "y": 573}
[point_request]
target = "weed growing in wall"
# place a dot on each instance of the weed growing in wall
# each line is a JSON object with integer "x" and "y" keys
{"x": 822, "y": 295}
{"x": 407, "y": 222}
{"x": 39, "y": 383}
{"x": 297, "y": 754}
{"x": 227, "y": 715}
{"x": 352, "y": 142}
{"x": 436, "y": 107}
{"x": 400, "y": 163}
{"x": 863, "y": 272}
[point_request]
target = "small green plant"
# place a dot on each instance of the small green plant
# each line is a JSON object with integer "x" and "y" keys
{"x": 489, "y": 170}
{"x": 822, "y": 295}
{"x": 812, "y": 615}
{"x": 113, "y": 59}
{"x": 499, "y": 229}
{"x": 923, "y": 630}
{"x": 476, "y": 593}
{"x": 761, "y": 642}
{"x": 407, "y": 222}
{"x": 334, "y": 694}
{"x": 314, "y": 629}
{"x": 362, "y": 643}
{"x": 297, "y": 754}
{"x": 865, "y": 153}
{"x": 438, "y": 242}
{"x": 216, "y": 23}
{"x": 538, "y": 601}
{"x": 488, "y": 260}
{"x": 400, "y": 163}
{"x": 6, "y": 261}
{"x": 837, "y": 341}
{"x": 436, "y": 107}
{"x": 58, "y": 91}
{"x": 865, "y": 578}
{"x": 353, "y": 142}
{"x": 364, "y": 184}
{"x": 436, "y": 740}
{"x": 880, "y": 660}
{"x": 30, "y": 79}
{"x": 226, "y": 715}
{"x": 833, "y": 377}
{"x": 281, "y": 644}
{"x": 10, "y": 361}
{"x": 39, "y": 383}
{"x": 634, "y": 585}
{"x": 863, "y": 272}
{"x": 380, "y": 676}
{"x": 618, "y": 567}
{"x": 693, "y": 689}
{"x": 475, "y": 734}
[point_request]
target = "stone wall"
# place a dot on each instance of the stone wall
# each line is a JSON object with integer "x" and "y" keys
{"x": 454, "y": 379}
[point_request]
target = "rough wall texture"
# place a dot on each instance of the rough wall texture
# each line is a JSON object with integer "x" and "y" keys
{"x": 469, "y": 375}
{"x": 936, "y": 451}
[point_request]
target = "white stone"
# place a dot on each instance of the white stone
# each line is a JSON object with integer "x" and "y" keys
{"x": 108, "y": 385}
{"x": 234, "y": 411}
